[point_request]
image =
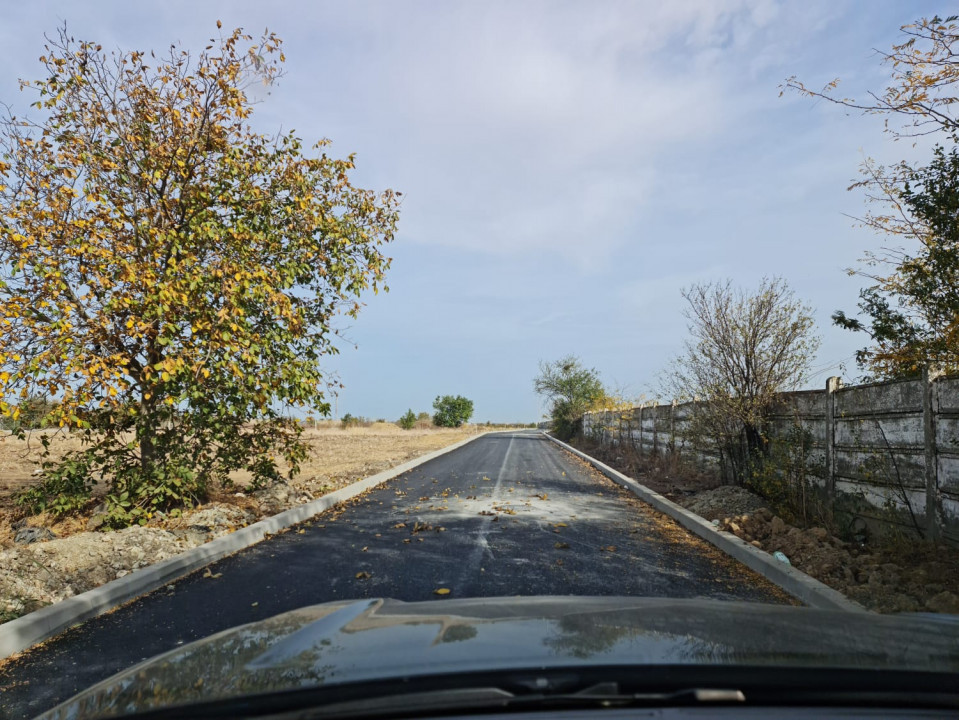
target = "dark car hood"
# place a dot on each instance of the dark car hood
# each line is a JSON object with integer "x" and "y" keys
{"x": 348, "y": 642}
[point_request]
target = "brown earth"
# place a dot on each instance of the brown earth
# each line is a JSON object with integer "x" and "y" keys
{"x": 900, "y": 575}
{"x": 77, "y": 560}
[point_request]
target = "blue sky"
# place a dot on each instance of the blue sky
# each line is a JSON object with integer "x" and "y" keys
{"x": 567, "y": 168}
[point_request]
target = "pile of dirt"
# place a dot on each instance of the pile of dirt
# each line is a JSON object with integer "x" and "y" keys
{"x": 905, "y": 578}
{"x": 41, "y": 573}
{"x": 722, "y": 501}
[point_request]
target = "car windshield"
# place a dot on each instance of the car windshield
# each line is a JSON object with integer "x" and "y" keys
{"x": 354, "y": 342}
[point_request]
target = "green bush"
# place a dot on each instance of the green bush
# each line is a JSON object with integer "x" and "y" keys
{"x": 408, "y": 421}
{"x": 452, "y": 411}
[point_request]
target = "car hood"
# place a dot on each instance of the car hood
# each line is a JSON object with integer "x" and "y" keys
{"x": 377, "y": 639}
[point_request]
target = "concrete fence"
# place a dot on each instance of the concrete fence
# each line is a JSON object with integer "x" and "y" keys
{"x": 886, "y": 452}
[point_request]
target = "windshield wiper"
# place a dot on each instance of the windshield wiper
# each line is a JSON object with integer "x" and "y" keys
{"x": 605, "y": 694}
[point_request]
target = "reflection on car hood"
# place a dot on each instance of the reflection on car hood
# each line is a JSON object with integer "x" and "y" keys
{"x": 345, "y": 642}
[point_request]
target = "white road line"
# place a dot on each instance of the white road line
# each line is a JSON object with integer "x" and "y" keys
{"x": 481, "y": 547}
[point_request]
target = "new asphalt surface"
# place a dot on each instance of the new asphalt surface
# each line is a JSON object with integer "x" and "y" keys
{"x": 508, "y": 514}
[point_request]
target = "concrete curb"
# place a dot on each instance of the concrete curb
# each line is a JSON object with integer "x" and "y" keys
{"x": 797, "y": 583}
{"x": 24, "y": 632}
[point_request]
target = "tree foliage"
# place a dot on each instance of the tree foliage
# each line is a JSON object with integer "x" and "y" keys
{"x": 169, "y": 275}
{"x": 408, "y": 420}
{"x": 743, "y": 350}
{"x": 571, "y": 389}
{"x": 921, "y": 93}
{"x": 910, "y": 305}
{"x": 913, "y": 309}
{"x": 452, "y": 410}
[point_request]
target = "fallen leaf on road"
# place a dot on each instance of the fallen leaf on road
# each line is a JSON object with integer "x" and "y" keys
{"x": 364, "y": 549}
{"x": 301, "y": 531}
{"x": 362, "y": 575}
{"x": 543, "y": 496}
{"x": 609, "y": 548}
{"x": 209, "y": 574}
{"x": 254, "y": 604}
{"x": 441, "y": 591}
{"x": 561, "y": 546}
{"x": 407, "y": 540}
{"x": 424, "y": 498}
{"x": 400, "y": 525}
{"x": 560, "y": 525}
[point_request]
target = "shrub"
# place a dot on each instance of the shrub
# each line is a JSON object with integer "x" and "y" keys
{"x": 452, "y": 411}
{"x": 408, "y": 421}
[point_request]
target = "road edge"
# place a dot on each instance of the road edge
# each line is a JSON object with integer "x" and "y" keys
{"x": 28, "y": 630}
{"x": 803, "y": 587}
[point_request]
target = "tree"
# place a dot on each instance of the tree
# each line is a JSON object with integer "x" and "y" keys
{"x": 913, "y": 310}
{"x": 408, "y": 420}
{"x": 925, "y": 67}
{"x": 910, "y": 305}
{"x": 169, "y": 275}
{"x": 452, "y": 411}
{"x": 743, "y": 350}
{"x": 570, "y": 389}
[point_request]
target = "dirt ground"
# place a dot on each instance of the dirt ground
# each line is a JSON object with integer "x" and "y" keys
{"x": 887, "y": 576}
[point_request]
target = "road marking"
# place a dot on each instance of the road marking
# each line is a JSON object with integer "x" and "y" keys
{"x": 472, "y": 566}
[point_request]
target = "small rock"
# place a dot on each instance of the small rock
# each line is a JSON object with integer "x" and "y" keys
{"x": 734, "y": 528}
{"x": 777, "y": 526}
{"x": 96, "y": 521}
{"x": 30, "y": 535}
{"x": 756, "y": 543}
{"x": 944, "y": 602}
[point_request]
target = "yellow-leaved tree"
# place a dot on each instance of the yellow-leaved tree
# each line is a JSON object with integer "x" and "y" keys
{"x": 168, "y": 275}
{"x": 910, "y": 307}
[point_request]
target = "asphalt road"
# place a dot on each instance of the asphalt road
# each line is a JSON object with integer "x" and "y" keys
{"x": 508, "y": 514}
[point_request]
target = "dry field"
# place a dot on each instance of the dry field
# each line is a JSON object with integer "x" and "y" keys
{"x": 338, "y": 458}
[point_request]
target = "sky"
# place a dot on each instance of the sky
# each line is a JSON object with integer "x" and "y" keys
{"x": 567, "y": 168}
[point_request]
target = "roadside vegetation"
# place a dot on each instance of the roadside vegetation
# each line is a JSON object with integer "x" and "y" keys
{"x": 169, "y": 277}
{"x": 909, "y": 308}
{"x": 452, "y": 410}
{"x": 570, "y": 389}
{"x": 744, "y": 349}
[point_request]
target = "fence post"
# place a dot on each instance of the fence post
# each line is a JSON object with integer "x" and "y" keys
{"x": 672, "y": 428}
{"x": 655, "y": 410}
{"x": 930, "y": 409}
{"x": 832, "y": 385}
{"x": 641, "y": 406}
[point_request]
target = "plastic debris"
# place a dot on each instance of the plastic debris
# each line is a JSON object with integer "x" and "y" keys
{"x": 781, "y": 558}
